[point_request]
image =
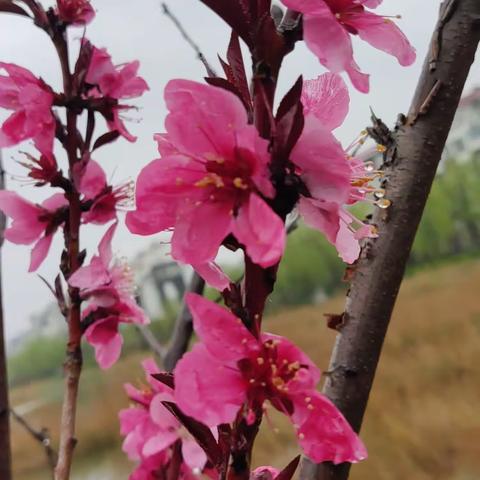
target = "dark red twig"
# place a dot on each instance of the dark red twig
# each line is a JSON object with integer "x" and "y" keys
{"x": 411, "y": 163}
{"x": 73, "y": 360}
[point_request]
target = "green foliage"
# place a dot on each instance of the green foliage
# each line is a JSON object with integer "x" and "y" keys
{"x": 39, "y": 358}
{"x": 451, "y": 221}
{"x": 43, "y": 357}
{"x": 310, "y": 264}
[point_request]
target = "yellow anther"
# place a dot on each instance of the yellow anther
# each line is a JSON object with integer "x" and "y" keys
{"x": 294, "y": 366}
{"x": 210, "y": 179}
{"x": 239, "y": 183}
{"x": 278, "y": 382}
{"x": 260, "y": 361}
{"x": 381, "y": 148}
{"x": 214, "y": 158}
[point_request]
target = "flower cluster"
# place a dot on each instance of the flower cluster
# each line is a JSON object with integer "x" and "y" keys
{"x": 230, "y": 171}
{"x": 105, "y": 286}
{"x": 210, "y": 183}
{"x": 232, "y": 168}
{"x": 150, "y": 430}
{"x": 231, "y": 372}
{"x": 328, "y": 25}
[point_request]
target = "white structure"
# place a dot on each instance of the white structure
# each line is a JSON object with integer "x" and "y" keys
{"x": 160, "y": 280}
{"x": 464, "y": 138}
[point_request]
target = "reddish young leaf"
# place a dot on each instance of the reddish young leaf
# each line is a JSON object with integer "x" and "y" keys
{"x": 226, "y": 85}
{"x": 235, "y": 60}
{"x": 106, "y": 138}
{"x": 289, "y": 120}
{"x": 235, "y": 14}
{"x": 166, "y": 378}
{"x": 201, "y": 433}
{"x": 227, "y": 70}
{"x": 82, "y": 65}
{"x": 288, "y": 472}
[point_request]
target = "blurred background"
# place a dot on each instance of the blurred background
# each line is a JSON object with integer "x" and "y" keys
{"x": 422, "y": 422}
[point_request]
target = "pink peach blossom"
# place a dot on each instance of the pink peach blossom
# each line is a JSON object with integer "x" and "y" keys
{"x": 75, "y": 12}
{"x": 230, "y": 371}
{"x": 107, "y": 287}
{"x": 31, "y": 101}
{"x": 334, "y": 180}
{"x": 211, "y": 182}
{"x": 150, "y": 429}
{"x": 33, "y": 223}
{"x": 43, "y": 170}
{"x": 104, "y": 199}
{"x": 264, "y": 473}
{"x": 328, "y": 24}
{"x": 117, "y": 83}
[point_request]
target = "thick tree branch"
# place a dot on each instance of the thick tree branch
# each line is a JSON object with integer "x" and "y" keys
{"x": 183, "y": 327}
{"x": 412, "y": 161}
{"x": 42, "y": 436}
{"x": 5, "y": 447}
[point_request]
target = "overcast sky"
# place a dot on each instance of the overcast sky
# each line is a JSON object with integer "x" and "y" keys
{"x": 138, "y": 30}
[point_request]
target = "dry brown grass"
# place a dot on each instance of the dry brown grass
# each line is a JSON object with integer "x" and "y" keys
{"x": 423, "y": 421}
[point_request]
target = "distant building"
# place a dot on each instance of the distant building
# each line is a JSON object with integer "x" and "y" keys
{"x": 160, "y": 280}
{"x": 464, "y": 138}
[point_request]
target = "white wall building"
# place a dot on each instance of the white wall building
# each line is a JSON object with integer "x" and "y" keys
{"x": 464, "y": 138}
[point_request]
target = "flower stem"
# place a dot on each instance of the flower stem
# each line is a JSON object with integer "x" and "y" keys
{"x": 73, "y": 360}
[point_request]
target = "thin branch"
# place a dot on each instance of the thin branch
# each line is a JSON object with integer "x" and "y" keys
{"x": 210, "y": 71}
{"x": 157, "y": 348}
{"x": 5, "y": 446}
{"x": 73, "y": 359}
{"x": 42, "y": 436}
{"x": 183, "y": 327}
{"x": 411, "y": 163}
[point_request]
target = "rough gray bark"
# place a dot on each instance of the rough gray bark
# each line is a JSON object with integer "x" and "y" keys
{"x": 5, "y": 448}
{"x": 415, "y": 151}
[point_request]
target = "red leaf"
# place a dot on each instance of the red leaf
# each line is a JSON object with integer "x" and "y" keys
{"x": 289, "y": 120}
{"x": 226, "y": 85}
{"x": 236, "y": 14}
{"x": 235, "y": 60}
{"x": 166, "y": 378}
{"x": 227, "y": 69}
{"x": 201, "y": 433}
{"x": 82, "y": 65}
{"x": 288, "y": 472}
{"x": 105, "y": 138}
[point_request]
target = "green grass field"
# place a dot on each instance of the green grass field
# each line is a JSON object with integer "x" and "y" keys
{"x": 423, "y": 421}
